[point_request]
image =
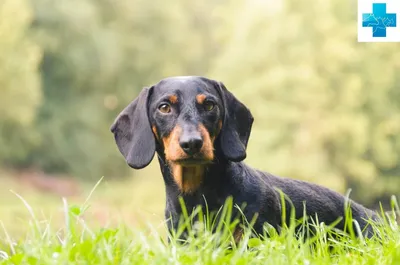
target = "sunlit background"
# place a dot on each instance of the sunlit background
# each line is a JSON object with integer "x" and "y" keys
{"x": 326, "y": 108}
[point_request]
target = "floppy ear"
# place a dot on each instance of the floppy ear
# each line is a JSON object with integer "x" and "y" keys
{"x": 236, "y": 126}
{"x": 132, "y": 132}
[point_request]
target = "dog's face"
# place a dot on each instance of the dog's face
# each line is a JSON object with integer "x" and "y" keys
{"x": 189, "y": 118}
{"x": 186, "y": 116}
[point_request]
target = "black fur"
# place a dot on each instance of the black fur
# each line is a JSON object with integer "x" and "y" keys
{"x": 133, "y": 134}
{"x": 237, "y": 126}
{"x": 227, "y": 175}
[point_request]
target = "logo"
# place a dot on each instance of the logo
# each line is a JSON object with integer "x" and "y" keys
{"x": 378, "y": 21}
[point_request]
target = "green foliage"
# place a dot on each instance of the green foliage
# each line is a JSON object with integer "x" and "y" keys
{"x": 20, "y": 92}
{"x": 326, "y": 108}
{"x": 96, "y": 61}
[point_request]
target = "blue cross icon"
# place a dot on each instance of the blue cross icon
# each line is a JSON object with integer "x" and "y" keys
{"x": 379, "y": 20}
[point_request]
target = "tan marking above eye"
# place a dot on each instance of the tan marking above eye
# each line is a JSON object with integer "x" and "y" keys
{"x": 200, "y": 98}
{"x": 173, "y": 99}
{"x": 207, "y": 104}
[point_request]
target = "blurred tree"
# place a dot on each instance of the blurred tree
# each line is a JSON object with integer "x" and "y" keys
{"x": 326, "y": 108}
{"x": 19, "y": 82}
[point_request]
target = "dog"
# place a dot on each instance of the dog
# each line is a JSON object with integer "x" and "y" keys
{"x": 200, "y": 132}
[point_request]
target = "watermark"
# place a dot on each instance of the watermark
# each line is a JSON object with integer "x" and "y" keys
{"x": 379, "y": 20}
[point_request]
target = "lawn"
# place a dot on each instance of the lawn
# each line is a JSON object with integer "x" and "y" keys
{"x": 122, "y": 223}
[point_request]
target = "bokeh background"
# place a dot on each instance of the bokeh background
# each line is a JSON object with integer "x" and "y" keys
{"x": 326, "y": 108}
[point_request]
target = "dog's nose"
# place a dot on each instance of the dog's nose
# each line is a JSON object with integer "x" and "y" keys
{"x": 191, "y": 145}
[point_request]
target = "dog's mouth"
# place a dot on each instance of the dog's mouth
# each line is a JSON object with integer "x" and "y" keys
{"x": 192, "y": 161}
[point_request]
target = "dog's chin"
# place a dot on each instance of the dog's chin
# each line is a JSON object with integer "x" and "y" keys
{"x": 192, "y": 162}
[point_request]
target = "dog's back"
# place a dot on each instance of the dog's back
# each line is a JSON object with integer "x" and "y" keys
{"x": 319, "y": 202}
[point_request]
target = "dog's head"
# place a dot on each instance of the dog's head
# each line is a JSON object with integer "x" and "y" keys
{"x": 190, "y": 118}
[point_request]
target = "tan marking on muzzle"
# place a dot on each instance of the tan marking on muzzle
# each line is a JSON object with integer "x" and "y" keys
{"x": 220, "y": 125}
{"x": 207, "y": 150}
{"x": 172, "y": 149}
{"x": 188, "y": 178}
{"x": 154, "y": 129}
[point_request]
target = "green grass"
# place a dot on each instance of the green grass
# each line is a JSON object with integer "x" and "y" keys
{"x": 135, "y": 201}
{"x": 75, "y": 240}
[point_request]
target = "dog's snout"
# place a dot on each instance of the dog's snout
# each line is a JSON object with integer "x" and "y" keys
{"x": 191, "y": 144}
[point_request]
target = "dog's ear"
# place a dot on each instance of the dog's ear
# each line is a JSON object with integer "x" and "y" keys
{"x": 236, "y": 126}
{"x": 132, "y": 132}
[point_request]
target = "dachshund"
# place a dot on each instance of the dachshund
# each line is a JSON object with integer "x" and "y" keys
{"x": 200, "y": 132}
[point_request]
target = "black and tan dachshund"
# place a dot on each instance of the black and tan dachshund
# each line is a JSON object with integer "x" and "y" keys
{"x": 200, "y": 133}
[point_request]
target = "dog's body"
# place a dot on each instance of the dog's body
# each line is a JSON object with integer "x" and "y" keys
{"x": 200, "y": 133}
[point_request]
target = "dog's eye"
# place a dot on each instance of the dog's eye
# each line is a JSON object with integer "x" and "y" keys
{"x": 208, "y": 105}
{"x": 164, "y": 108}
